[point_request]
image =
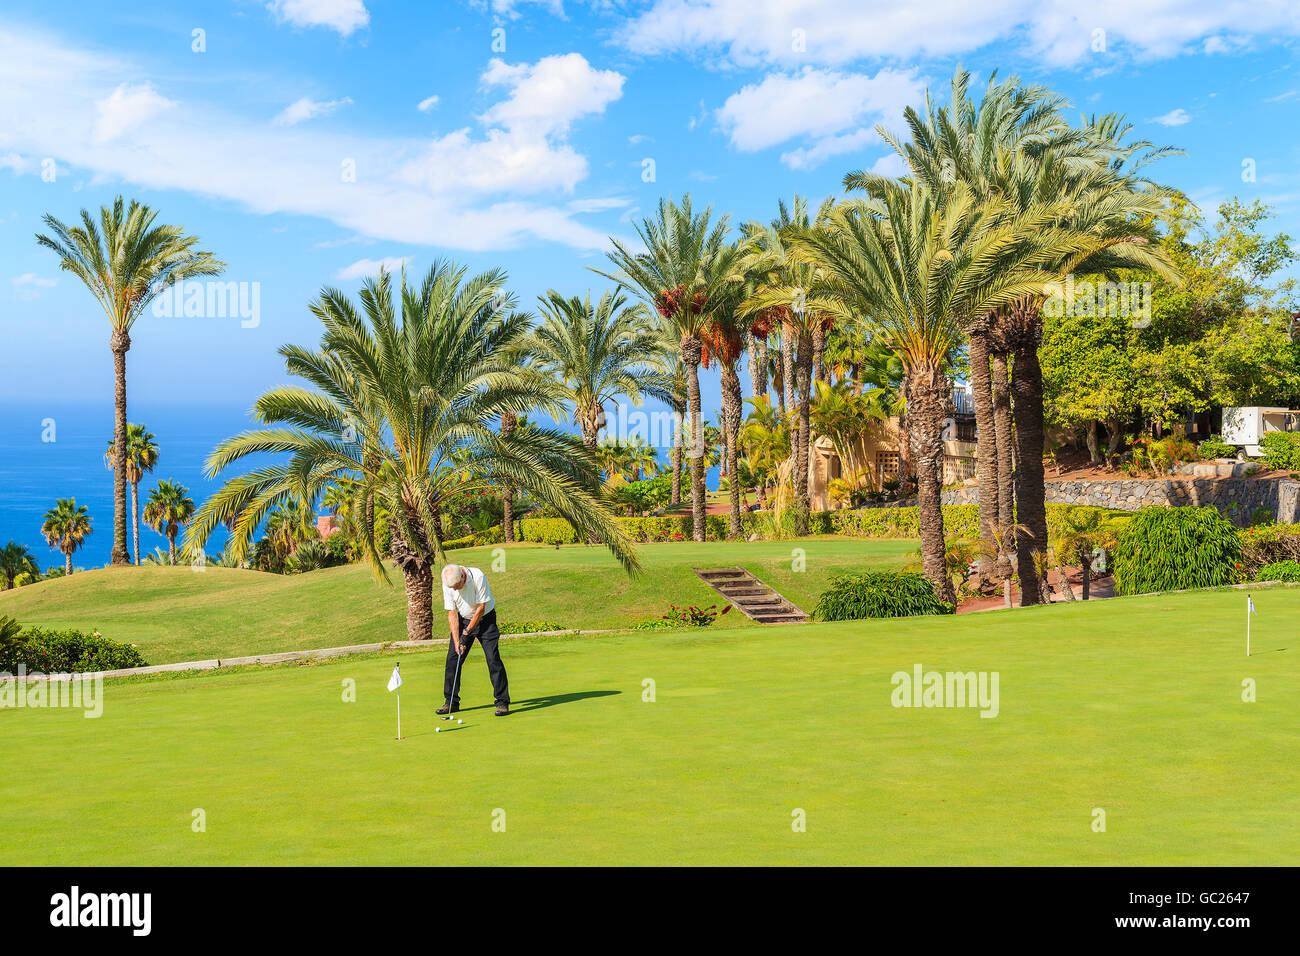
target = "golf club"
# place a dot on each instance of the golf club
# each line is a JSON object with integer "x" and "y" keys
{"x": 455, "y": 685}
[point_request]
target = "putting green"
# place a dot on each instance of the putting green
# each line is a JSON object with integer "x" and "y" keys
{"x": 1131, "y": 706}
{"x": 175, "y": 614}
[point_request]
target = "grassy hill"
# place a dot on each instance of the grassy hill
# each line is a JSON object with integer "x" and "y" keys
{"x": 1132, "y": 706}
{"x": 176, "y": 614}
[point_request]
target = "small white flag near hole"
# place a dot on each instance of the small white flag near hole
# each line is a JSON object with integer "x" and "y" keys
{"x": 394, "y": 682}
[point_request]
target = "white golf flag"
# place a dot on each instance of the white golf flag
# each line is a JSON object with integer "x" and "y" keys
{"x": 1250, "y": 605}
{"x": 395, "y": 681}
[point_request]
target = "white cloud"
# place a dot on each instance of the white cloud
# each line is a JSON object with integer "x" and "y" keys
{"x": 833, "y": 109}
{"x": 307, "y": 108}
{"x": 1173, "y": 118}
{"x": 365, "y": 268}
{"x": 28, "y": 285}
{"x": 127, "y": 108}
{"x": 428, "y": 103}
{"x": 834, "y": 32}
{"x": 598, "y": 205}
{"x": 551, "y": 93}
{"x": 345, "y": 16}
{"x": 463, "y": 191}
{"x": 525, "y": 150}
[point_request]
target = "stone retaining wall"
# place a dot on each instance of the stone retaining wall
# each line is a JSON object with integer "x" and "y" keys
{"x": 1237, "y": 498}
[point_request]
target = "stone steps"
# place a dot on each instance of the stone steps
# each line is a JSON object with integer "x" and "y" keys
{"x": 750, "y": 596}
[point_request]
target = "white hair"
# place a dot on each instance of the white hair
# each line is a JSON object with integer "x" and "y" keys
{"x": 452, "y": 574}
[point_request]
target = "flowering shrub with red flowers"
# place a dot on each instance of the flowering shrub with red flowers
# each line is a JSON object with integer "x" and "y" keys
{"x": 694, "y": 616}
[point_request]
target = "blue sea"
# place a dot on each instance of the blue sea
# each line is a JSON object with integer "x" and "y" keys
{"x": 35, "y": 470}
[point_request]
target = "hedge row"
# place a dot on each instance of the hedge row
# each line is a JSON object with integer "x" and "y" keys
{"x": 961, "y": 521}
{"x": 45, "y": 651}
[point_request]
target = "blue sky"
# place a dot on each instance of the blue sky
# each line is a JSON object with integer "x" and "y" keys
{"x": 518, "y": 135}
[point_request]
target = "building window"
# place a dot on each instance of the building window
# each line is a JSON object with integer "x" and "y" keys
{"x": 887, "y": 465}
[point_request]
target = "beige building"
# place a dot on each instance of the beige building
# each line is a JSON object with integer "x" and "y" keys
{"x": 879, "y": 453}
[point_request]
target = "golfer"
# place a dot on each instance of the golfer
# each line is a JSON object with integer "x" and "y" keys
{"x": 471, "y": 615}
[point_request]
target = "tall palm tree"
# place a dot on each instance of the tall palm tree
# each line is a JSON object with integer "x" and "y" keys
{"x": 724, "y": 338}
{"x": 917, "y": 262}
{"x": 598, "y": 352}
{"x": 66, "y": 528}
{"x": 169, "y": 509}
{"x": 141, "y": 457}
{"x": 292, "y": 523}
{"x": 1015, "y": 147}
{"x": 125, "y": 260}
{"x": 423, "y": 373}
{"x": 15, "y": 560}
{"x": 788, "y": 290}
{"x": 685, "y": 274}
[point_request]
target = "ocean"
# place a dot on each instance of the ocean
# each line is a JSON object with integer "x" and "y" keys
{"x": 50, "y": 450}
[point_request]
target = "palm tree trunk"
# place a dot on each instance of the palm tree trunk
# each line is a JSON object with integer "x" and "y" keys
{"x": 803, "y": 434}
{"x": 778, "y": 379}
{"x": 1085, "y": 572}
{"x": 508, "y": 423}
{"x": 1005, "y": 470}
{"x": 690, "y": 353}
{"x": 819, "y": 352}
{"x": 120, "y": 343}
{"x": 171, "y": 550}
{"x": 757, "y": 364}
{"x": 1031, "y": 512}
{"x": 415, "y": 559}
{"x": 135, "y": 520}
{"x": 67, "y": 562}
{"x": 731, "y": 404}
{"x": 926, "y": 398}
{"x": 419, "y": 603}
{"x": 790, "y": 370}
{"x": 677, "y": 455}
{"x": 986, "y": 454}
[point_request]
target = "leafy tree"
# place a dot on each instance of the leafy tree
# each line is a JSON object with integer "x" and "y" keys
{"x": 404, "y": 398}
{"x": 169, "y": 509}
{"x": 125, "y": 260}
{"x": 66, "y": 528}
{"x": 16, "y": 560}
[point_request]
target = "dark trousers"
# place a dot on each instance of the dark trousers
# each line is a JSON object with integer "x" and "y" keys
{"x": 487, "y": 635}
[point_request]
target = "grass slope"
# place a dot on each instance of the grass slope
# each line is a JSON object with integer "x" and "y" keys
{"x": 1131, "y": 705}
{"x": 176, "y": 614}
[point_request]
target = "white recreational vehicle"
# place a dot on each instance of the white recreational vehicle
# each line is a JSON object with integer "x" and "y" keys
{"x": 1244, "y": 427}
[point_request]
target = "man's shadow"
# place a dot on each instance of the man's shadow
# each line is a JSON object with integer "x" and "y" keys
{"x": 550, "y": 700}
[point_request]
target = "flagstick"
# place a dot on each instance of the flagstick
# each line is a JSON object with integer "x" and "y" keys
{"x": 399, "y": 699}
{"x": 1248, "y": 629}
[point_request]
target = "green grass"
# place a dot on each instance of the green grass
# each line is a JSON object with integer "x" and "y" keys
{"x": 176, "y": 614}
{"x": 1131, "y": 705}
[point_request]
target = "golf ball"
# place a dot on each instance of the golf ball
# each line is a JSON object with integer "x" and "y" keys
{"x": 460, "y": 721}
{"x": 437, "y": 730}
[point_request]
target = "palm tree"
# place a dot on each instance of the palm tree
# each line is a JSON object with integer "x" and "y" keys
{"x": 422, "y": 373}
{"x": 126, "y": 261}
{"x": 766, "y": 439}
{"x": 66, "y": 528}
{"x": 16, "y": 560}
{"x": 845, "y": 417}
{"x": 642, "y": 458}
{"x": 786, "y": 292}
{"x": 290, "y": 524}
{"x": 598, "y": 353}
{"x": 1084, "y": 531}
{"x": 1015, "y": 147}
{"x": 917, "y": 262}
{"x": 141, "y": 457}
{"x": 724, "y": 339}
{"x": 684, "y": 274}
{"x": 169, "y": 509}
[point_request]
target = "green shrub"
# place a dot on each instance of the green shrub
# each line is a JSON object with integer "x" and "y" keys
{"x": 1280, "y": 449}
{"x": 529, "y": 627}
{"x": 1173, "y": 549}
{"x": 1214, "y": 447}
{"x": 1280, "y": 571}
{"x": 66, "y": 652}
{"x": 466, "y": 542}
{"x": 852, "y": 597}
{"x": 1268, "y": 544}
